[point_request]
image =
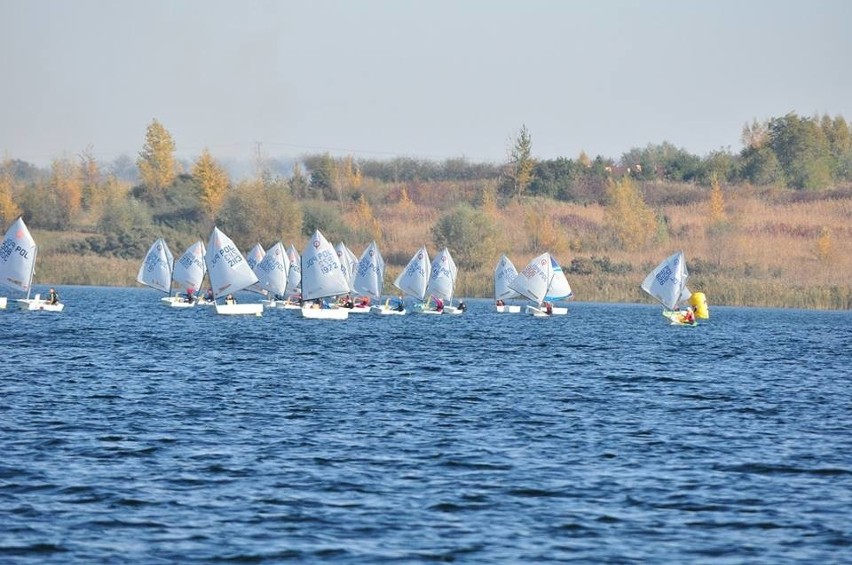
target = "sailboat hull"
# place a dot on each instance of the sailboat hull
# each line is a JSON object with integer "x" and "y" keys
{"x": 325, "y": 313}
{"x": 508, "y": 309}
{"x": 36, "y": 304}
{"x": 176, "y": 302}
{"x": 240, "y": 309}
{"x": 541, "y": 312}
{"x": 2, "y": 302}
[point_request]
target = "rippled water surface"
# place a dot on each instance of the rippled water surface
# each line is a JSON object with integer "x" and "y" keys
{"x": 131, "y": 432}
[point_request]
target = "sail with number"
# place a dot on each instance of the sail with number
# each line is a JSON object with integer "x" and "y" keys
{"x": 415, "y": 276}
{"x": 17, "y": 257}
{"x": 272, "y": 270}
{"x": 534, "y": 279}
{"x": 667, "y": 282}
{"x": 190, "y": 269}
{"x": 228, "y": 270}
{"x": 370, "y": 273}
{"x": 321, "y": 273}
{"x": 442, "y": 276}
{"x": 157, "y": 267}
{"x": 504, "y": 273}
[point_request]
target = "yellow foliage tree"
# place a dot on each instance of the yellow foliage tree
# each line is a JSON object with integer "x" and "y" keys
{"x": 157, "y": 164}
{"x": 717, "y": 201}
{"x": 825, "y": 246}
{"x": 66, "y": 184}
{"x": 543, "y": 233}
{"x": 91, "y": 182}
{"x": 9, "y": 211}
{"x": 366, "y": 220}
{"x": 212, "y": 181}
{"x": 628, "y": 216}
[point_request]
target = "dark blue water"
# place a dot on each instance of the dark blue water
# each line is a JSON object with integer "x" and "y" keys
{"x": 130, "y": 432}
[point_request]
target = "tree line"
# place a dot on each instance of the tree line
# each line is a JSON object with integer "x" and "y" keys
{"x": 121, "y": 207}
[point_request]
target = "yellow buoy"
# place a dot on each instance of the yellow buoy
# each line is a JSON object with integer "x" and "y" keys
{"x": 699, "y": 303}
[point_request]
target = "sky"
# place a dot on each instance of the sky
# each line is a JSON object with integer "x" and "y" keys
{"x": 428, "y": 79}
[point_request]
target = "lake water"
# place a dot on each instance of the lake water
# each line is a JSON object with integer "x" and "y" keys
{"x": 130, "y": 432}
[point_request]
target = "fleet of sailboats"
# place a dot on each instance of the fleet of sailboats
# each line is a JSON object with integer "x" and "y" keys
{"x": 322, "y": 273}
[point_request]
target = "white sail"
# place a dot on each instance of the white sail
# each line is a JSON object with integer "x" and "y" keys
{"x": 272, "y": 270}
{"x": 442, "y": 276}
{"x": 321, "y": 273}
{"x": 348, "y": 263}
{"x": 294, "y": 274}
{"x": 17, "y": 257}
{"x": 534, "y": 279}
{"x": 156, "y": 270}
{"x": 253, "y": 258}
{"x": 504, "y": 273}
{"x": 370, "y": 273}
{"x": 558, "y": 289}
{"x": 667, "y": 282}
{"x": 189, "y": 269}
{"x": 227, "y": 268}
{"x": 415, "y": 276}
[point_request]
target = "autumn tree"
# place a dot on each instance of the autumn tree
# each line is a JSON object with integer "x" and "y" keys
{"x": 519, "y": 170}
{"x": 261, "y": 211}
{"x": 632, "y": 222}
{"x": 469, "y": 234}
{"x": 717, "y": 201}
{"x": 9, "y": 211}
{"x": 66, "y": 184}
{"x": 212, "y": 180}
{"x": 157, "y": 164}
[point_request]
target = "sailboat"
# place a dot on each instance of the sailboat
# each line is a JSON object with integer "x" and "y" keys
{"x": 294, "y": 280}
{"x": 157, "y": 267}
{"x": 504, "y": 273}
{"x": 442, "y": 282}
{"x": 322, "y": 278}
{"x": 253, "y": 257}
{"x": 349, "y": 264}
{"x": 542, "y": 280}
{"x": 272, "y": 272}
{"x": 369, "y": 278}
{"x": 17, "y": 267}
{"x": 414, "y": 278}
{"x": 667, "y": 283}
{"x": 188, "y": 273}
{"x": 229, "y": 272}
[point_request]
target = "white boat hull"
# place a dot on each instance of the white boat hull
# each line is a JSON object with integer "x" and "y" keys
{"x": 255, "y": 308}
{"x": 541, "y": 312}
{"x": 36, "y": 304}
{"x": 176, "y": 302}
{"x": 508, "y": 309}
{"x": 387, "y": 311}
{"x": 2, "y": 302}
{"x": 360, "y": 310}
{"x": 325, "y": 313}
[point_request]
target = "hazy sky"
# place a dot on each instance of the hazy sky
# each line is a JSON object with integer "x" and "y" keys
{"x": 430, "y": 79}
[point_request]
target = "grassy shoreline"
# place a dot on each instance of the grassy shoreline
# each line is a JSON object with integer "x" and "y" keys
{"x": 721, "y": 290}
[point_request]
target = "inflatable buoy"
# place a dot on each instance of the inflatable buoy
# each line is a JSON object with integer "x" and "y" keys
{"x": 699, "y": 303}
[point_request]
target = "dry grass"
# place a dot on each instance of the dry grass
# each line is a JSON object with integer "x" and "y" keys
{"x": 773, "y": 250}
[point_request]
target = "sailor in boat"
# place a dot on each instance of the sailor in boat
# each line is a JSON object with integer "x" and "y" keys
{"x": 439, "y": 305}
{"x": 688, "y": 317}
{"x": 500, "y": 302}
{"x": 208, "y": 296}
{"x": 189, "y": 295}
{"x": 347, "y": 302}
{"x": 52, "y": 296}
{"x": 400, "y": 304}
{"x": 230, "y": 299}
{"x": 548, "y": 308}
{"x": 462, "y": 306}
{"x": 364, "y": 302}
